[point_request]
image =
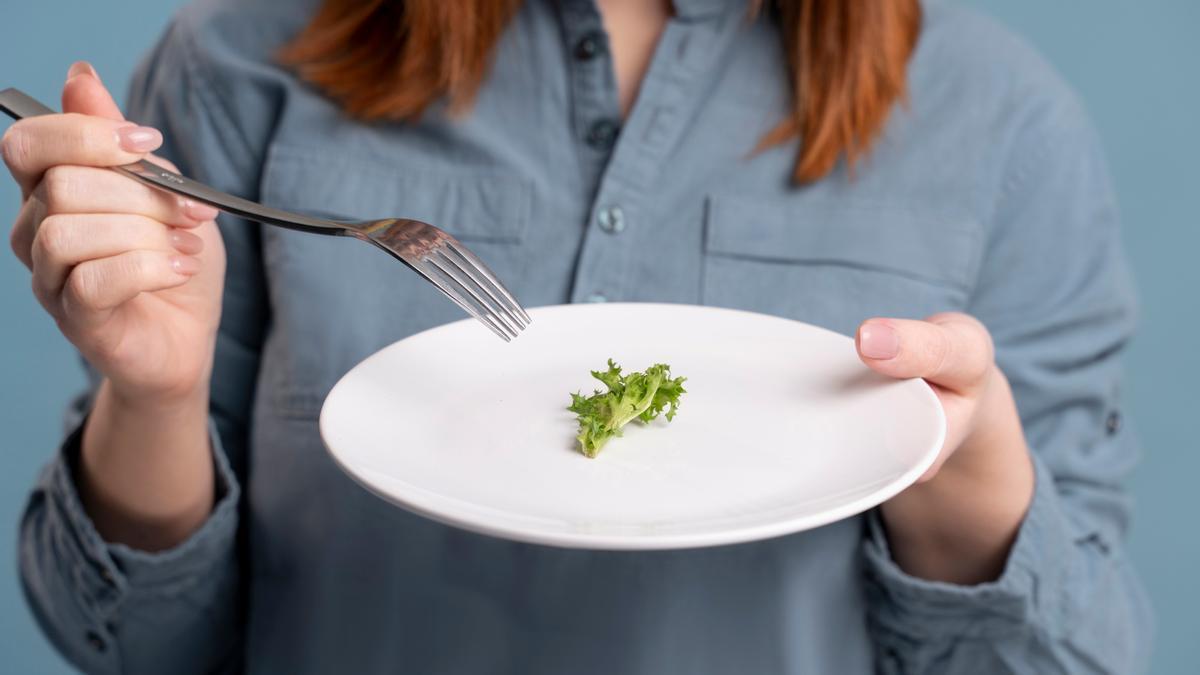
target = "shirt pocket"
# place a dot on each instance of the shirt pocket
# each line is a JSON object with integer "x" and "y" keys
{"x": 835, "y": 262}
{"x": 336, "y": 300}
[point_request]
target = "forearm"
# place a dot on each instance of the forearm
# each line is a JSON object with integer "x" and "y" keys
{"x": 959, "y": 526}
{"x": 146, "y": 468}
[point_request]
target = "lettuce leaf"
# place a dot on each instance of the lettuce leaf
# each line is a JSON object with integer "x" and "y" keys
{"x": 639, "y": 395}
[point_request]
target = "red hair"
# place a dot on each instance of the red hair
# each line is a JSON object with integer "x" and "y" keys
{"x": 390, "y": 59}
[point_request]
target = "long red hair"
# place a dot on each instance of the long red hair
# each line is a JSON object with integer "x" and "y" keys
{"x": 390, "y": 59}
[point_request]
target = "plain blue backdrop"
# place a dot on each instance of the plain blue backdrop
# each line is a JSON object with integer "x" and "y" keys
{"x": 1136, "y": 66}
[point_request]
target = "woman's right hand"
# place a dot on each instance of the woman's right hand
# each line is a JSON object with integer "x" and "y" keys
{"x": 132, "y": 275}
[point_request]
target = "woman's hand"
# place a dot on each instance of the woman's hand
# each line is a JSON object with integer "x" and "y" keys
{"x": 131, "y": 275}
{"x": 958, "y": 522}
{"x": 133, "y": 278}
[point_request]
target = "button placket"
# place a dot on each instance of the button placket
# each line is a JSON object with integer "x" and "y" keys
{"x": 596, "y": 122}
{"x": 656, "y": 125}
{"x": 631, "y": 155}
{"x": 594, "y": 107}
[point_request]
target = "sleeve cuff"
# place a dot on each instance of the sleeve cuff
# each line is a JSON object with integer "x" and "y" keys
{"x": 112, "y": 569}
{"x": 1030, "y": 589}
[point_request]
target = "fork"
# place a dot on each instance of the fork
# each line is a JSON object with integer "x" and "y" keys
{"x": 429, "y": 251}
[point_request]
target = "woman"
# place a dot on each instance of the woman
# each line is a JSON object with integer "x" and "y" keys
{"x": 908, "y": 174}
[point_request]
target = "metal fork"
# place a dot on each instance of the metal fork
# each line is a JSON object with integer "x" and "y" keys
{"x": 435, "y": 255}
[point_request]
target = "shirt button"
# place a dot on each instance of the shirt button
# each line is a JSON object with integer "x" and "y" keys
{"x": 597, "y": 297}
{"x": 95, "y": 641}
{"x": 589, "y": 46}
{"x": 611, "y": 219}
{"x": 1113, "y": 423}
{"x": 603, "y": 134}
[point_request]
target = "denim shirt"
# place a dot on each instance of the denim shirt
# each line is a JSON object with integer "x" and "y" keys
{"x": 986, "y": 194}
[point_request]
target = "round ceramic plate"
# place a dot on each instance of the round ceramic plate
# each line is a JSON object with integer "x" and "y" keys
{"x": 782, "y": 429}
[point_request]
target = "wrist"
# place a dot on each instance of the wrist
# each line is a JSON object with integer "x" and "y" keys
{"x": 994, "y": 457}
{"x": 133, "y": 401}
{"x": 960, "y": 525}
{"x": 145, "y": 473}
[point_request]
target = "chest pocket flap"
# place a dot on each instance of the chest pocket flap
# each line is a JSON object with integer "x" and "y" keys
{"x": 825, "y": 231}
{"x": 484, "y": 205}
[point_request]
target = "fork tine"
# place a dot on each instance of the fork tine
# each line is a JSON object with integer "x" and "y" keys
{"x": 454, "y": 290}
{"x": 473, "y": 262}
{"x": 461, "y": 294}
{"x": 466, "y": 283}
{"x": 463, "y": 274}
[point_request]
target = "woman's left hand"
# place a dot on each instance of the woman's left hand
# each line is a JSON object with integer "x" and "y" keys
{"x": 958, "y": 522}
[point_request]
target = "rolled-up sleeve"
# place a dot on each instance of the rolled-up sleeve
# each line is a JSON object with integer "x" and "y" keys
{"x": 82, "y": 588}
{"x": 1055, "y": 293}
{"x": 107, "y": 607}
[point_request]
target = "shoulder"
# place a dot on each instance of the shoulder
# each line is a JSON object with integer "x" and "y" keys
{"x": 227, "y": 45}
{"x": 986, "y": 105}
{"x": 246, "y": 32}
{"x": 970, "y": 66}
{"x": 214, "y": 68}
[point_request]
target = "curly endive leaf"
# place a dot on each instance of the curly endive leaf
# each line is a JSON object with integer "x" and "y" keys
{"x": 638, "y": 395}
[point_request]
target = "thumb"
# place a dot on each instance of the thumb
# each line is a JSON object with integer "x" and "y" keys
{"x": 951, "y": 349}
{"x": 84, "y": 93}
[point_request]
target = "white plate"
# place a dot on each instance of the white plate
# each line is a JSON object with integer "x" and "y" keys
{"x": 782, "y": 429}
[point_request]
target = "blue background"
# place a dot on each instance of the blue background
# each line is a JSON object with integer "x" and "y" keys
{"x": 1137, "y": 66}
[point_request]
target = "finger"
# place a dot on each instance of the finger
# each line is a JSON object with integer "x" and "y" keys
{"x": 952, "y": 350}
{"x": 64, "y": 241}
{"x": 96, "y": 287}
{"x": 83, "y": 189}
{"x": 84, "y": 93}
{"x": 35, "y": 144}
{"x": 21, "y": 236}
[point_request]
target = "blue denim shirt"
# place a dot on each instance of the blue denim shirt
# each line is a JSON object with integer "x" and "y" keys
{"x": 987, "y": 194}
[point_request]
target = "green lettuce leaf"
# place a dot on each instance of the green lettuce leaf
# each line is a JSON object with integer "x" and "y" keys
{"x": 639, "y": 395}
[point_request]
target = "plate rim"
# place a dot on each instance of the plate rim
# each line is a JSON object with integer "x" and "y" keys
{"x": 635, "y": 542}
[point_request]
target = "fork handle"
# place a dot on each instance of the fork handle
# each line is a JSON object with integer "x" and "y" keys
{"x": 18, "y": 105}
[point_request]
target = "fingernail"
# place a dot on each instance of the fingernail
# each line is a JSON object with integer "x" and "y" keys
{"x": 878, "y": 341}
{"x": 185, "y": 242}
{"x": 139, "y": 139}
{"x": 185, "y": 264}
{"x": 82, "y": 68}
{"x": 198, "y": 211}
